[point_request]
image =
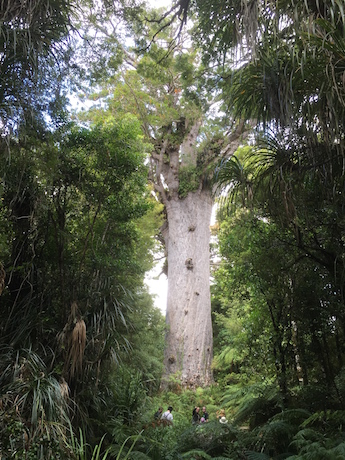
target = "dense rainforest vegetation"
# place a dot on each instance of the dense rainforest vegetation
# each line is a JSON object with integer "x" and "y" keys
{"x": 118, "y": 122}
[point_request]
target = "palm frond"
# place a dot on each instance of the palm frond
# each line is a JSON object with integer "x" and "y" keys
{"x": 233, "y": 180}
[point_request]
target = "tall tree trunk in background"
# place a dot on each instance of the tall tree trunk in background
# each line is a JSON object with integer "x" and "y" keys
{"x": 186, "y": 233}
{"x": 181, "y": 174}
{"x": 181, "y": 180}
{"x": 189, "y": 339}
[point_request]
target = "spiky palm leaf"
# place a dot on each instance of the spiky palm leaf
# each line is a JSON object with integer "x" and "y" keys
{"x": 38, "y": 394}
{"x": 234, "y": 176}
{"x": 33, "y": 37}
{"x": 33, "y": 399}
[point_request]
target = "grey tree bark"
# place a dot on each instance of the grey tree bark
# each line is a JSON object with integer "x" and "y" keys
{"x": 186, "y": 233}
{"x": 189, "y": 341}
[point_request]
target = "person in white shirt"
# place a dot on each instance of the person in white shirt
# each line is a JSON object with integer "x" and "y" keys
{"x": 167, "y": 415}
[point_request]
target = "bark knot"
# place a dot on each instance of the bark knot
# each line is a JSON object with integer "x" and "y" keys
{"x": 189, "y": 264}
{"x": 191, "y": 228}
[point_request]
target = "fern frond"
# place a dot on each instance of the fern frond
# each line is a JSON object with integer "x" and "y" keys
{"x": 278, "y": 431}
{"x": 339, "y": 451}
{"x": 256, "y": 456}
{"x": 196, "y": 454}
{"x": 263, "y": 402}
{"x": 334, "y": 419}
{"x": 304, "y": 438}
{"x": 274, "y": 437}
{"x": 293, "y": 416}
{"x": 220, "y": 458}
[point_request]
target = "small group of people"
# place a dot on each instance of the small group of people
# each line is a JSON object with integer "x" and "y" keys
{"x": 198, "y": 417}
{"x": 167, "y": 415}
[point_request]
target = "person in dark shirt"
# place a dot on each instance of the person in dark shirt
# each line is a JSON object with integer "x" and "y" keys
{"x": 158, "y": 414}
{"x": 196, "y": 415}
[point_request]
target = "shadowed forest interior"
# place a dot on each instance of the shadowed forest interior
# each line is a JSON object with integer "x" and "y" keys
{"x": 123, "y": 127}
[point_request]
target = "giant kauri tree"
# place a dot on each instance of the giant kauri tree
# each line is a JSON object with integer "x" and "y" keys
{"x": 168, "y": 92}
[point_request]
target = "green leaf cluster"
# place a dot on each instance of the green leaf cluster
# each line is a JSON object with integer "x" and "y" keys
{"x": 189, "y": 180}
{"x": 78, "y": 241}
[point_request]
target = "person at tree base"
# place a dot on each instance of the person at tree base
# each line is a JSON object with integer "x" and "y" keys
{"x": 168, "y": 416}
{"x": 204, "y": 414}
{"x": 158, "y": 414}
{"x": 196, "y": 415}
{"x": 221, "y": 413}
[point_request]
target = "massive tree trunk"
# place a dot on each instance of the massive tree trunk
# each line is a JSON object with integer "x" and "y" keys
{"x": 184, "y": 188}
{"x": 186, "y": 232}
{"x": 189, "y": 342}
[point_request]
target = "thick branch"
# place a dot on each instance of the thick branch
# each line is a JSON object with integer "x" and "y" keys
{"x": 188, "y": 147}
{"x": 236, "y": 138}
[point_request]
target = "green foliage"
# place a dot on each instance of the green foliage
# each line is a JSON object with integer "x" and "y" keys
{"x": 34, "y": 408}
{"x": 255, "y": 404}
{"x": 196, "y": 455}
{"x": 147, "y": 339}
{"x": 77, "y": 225}
{"x": 252, "y": 313}
{"x": 189, "y": 180}
{"x": 32, "y": 39}
{"x": 75, "y": 255}
{"x": 81, "y": 450}
{"x": 256, "y": 456}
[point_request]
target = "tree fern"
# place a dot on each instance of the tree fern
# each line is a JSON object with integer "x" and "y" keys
{"x": 304, "y": 438}
{"x": 220, "y": 458}
{"x": 310, "y": 445}
{"x": 276, "y": 435}
{"x": 333, "y": 421}
{"x": 293, "y": 416}
{"x": 260, "y": 399}
{"x": 339, "y": 451}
